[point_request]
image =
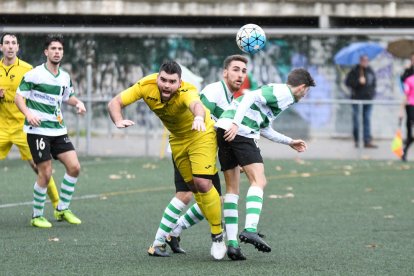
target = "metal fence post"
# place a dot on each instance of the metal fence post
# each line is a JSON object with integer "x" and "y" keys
{"x": 89, "y": 60}
{"x": 360, "y": 128}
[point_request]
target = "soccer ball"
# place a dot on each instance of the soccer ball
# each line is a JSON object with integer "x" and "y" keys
{"x": 251, "y": 38}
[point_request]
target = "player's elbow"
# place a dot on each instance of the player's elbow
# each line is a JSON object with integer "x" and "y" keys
{"x": 114, "y": 104}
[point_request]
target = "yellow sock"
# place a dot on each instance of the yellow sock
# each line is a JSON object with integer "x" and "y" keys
{"x": 211, "y": 207}
{"x": 52, "y": 192}
{"x": 197, "y": 197}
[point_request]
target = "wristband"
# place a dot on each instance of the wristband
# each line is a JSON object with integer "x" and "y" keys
{"x": 198, "y": 118}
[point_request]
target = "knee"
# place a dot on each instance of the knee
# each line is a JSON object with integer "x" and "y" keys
{"x": 202, "y": 185}
{"x": 74, "y": 169}
{"x": 264, "y": 183}
{"x": 44, "y": 175}
{"x": 184, "y": 197}
{"x": 261, "y": 183}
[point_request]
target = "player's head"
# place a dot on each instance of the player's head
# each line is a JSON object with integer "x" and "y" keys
{"x": 9, "y": 36}
{"x": 169, "y": 80}
{"x": 9, "y": 45}
{"x": 234, "y": 71}
{"x": 53, "y": 48}
{"x": 363, "y": 61}
{"x": 300, "y": 81}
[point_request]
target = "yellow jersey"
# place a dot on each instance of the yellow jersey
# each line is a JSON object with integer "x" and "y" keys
{"x": 10, "y": 77}
{"x": 174, "y": 114}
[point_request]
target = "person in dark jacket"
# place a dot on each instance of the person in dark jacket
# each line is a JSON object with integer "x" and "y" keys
{"x": 361, "y": 80}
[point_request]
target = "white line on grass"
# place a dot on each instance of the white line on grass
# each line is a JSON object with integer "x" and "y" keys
{"x": 9, "y": 205}
{"x": 298, "y": 175}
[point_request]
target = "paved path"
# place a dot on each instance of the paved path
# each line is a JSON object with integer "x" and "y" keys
{"x": 321, "y": 148}
{"x": 317, "y": 149}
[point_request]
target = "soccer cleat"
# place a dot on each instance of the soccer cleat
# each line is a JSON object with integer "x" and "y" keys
{"x": 255, "y": 239}
{"x": 235, "y": 253}
{"x": 40, "y": 222}
{"x": 218, "y": 248}
{"x": 67, "y": 215}
{"x": 158, "y": 251}
{"x": 174, "y": 243}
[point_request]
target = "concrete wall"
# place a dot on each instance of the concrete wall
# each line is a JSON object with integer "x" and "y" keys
{"x": 355, "y": 8}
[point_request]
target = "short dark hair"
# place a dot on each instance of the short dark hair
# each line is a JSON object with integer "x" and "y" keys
{"x": 171, "y": 67}
{"x": 300, "y": 76}
{"x": 54, "y": 38}
{"x": 10, "y": 34}
{"x": 229, "y": 59}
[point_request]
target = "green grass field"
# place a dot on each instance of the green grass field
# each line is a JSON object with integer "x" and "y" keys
{"x": 320, "y": 217}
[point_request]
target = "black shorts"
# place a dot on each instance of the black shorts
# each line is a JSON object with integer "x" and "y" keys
{"x": 241, "y": 151}
{"x": 43, "y": 147}
{"x": 181, "y": 186}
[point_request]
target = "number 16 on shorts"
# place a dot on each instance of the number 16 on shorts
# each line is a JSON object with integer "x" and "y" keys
{"x": 40, "y": 146}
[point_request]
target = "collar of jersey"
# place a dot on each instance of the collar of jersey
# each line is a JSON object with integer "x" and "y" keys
{"x": 293, "y": 96}
{"x": 16, "y": 62}
{"x": 44, "y": 65}
{"x": 228, "y": 97}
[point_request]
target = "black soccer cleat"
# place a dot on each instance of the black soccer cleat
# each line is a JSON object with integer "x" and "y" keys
{"x": 158, "y": 251}
{"x": 174, "y": 243}
{"x": 235, "y": 253}
{"x": 255, "y": 239}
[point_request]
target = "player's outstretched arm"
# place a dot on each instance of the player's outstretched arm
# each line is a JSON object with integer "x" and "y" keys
{"x": 115, "y": 112}
{"x": 197, "y": 108}
{"x": 298, "y": 145}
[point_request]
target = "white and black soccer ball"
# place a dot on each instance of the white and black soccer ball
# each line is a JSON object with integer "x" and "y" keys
{"x": 251, "y": 38}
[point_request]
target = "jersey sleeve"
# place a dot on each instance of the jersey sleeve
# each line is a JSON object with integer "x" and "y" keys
{"x": 246, "y": 101}
{"x": 189, "y": 97}
{"x": 132, "y": 94}
{"x": 69, "y": 91}
{"x": 25, "y": 86}
{"x": 275, "y": 136}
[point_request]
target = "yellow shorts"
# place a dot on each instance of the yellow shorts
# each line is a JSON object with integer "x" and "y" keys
{"x": 16, "y": 136}
{"x": 195, "y": 155}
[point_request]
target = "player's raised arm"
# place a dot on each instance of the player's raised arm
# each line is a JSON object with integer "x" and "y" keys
{"x": 199, "y": 113}
{"x": 244, "y": 105}
{"x": 247, "y": 100}
{"x": 115, "y": 112}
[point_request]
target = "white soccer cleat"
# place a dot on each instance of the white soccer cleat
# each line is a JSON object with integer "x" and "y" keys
{"x": 218, "y": 248}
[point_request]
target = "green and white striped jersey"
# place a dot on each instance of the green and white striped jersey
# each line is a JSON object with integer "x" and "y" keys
{"x": 254, "y": 112}
{"x": 216, "y": 97}
{"x": 44, "y": 93}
